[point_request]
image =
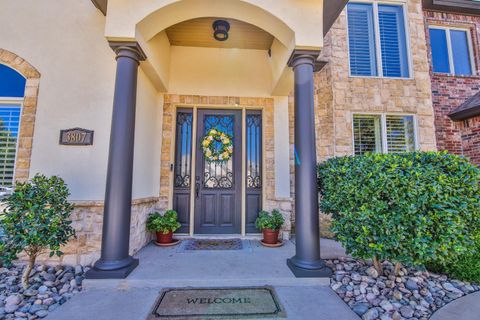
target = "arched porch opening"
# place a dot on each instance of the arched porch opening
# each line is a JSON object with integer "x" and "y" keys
{"x": 180, "y": 67}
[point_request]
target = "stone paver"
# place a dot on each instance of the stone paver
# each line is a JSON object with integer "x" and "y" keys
{"x": 133, "y": 298}
{"x": 465, "y": 308}
{"x": 318, "y": 302}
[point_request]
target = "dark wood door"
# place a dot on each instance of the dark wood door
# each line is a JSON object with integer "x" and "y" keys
{"x": 218, "y": 185}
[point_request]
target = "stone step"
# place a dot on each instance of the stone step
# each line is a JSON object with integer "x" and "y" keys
{"x": 179, "y": 283}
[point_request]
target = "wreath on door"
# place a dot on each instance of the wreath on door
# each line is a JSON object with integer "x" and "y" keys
{"x": 217, "y": 146}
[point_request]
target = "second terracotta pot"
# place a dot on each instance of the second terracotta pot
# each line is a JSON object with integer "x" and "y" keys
{"x": 164, "y": 237}
{"x": 270, "y": 236}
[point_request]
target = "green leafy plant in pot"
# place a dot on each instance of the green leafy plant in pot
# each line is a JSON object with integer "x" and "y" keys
{"x": 270, "y": 224}
{"x": 163, "y": 225}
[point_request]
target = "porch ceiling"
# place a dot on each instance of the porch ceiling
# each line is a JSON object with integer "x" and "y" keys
{"x": 199, "y": 33}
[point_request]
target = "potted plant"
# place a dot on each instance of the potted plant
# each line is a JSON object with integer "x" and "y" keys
{"x": 270, "y": 224}
{"x": 163, "y": 225}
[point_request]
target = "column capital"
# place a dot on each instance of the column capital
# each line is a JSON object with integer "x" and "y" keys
{"x": 299, "y": 57}
{"x": 130, "y": 50}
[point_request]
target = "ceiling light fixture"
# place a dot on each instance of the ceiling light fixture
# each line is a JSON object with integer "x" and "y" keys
{"x": 220, "y": 30}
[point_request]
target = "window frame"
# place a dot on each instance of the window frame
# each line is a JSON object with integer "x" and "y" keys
{"x": 383, "y": 128}
{"x": 376, "y": 30}
{"x": 451, "y": 63}
{"x": 16, "y": 101}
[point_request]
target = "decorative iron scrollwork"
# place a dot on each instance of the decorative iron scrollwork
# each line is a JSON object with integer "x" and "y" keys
{"x": 183, "y": 152}
{"x": 254, "y": 151}
{"x": 219, "y": 174}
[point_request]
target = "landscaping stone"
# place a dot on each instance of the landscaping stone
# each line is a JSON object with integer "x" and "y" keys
{"x": 49, "y": 288}
{"x": 413, "y": 294}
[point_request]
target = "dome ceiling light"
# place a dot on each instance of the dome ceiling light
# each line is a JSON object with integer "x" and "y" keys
{"x": 220, "y": 30}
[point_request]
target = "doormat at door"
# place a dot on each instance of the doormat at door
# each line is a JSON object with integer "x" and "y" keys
{"x": 213, "y": 244}
{"x": 217, "y": 303}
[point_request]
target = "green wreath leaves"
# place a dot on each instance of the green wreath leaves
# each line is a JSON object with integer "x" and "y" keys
{"x": 223, "y": 153}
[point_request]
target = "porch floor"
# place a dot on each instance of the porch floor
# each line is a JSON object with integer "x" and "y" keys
{"x": 255, "y": 265}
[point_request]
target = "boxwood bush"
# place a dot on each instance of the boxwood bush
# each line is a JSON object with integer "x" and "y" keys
{"x": 408, "y": 208}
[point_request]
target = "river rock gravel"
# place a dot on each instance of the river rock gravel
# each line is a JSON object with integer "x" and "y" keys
{"x": 49, "y": 288}
{"x": 412, "y": 294}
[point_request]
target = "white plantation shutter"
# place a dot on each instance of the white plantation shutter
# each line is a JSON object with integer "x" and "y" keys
{"x": 9, "y": 127}
{"x": 392, "y": 41}
{"x": 367, "y": 133}
{"x": 400, "y": 133}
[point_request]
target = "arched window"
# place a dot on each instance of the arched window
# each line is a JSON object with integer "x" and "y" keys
{"x": 12, "y": 92}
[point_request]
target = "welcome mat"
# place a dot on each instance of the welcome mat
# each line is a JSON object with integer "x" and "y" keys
{"x": 217, "y": 303}
{"x": 213, "y": 244}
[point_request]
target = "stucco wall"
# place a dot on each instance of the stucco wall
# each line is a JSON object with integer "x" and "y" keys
{"x": 217, "y": 71}
{"x": 148, "y": 138}
{"x": 66, "y": 44}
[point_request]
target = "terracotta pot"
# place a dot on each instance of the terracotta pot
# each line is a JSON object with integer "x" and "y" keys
{"x": 165, "y": 237}
{"x": 270, "y": 236}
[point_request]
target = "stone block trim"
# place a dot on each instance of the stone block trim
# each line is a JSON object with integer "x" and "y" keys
{"x": 450, "y": 91}
{"x": 87, "y": 220}
{"x": 266, "y": 104}
{"x": 29, "y": 110}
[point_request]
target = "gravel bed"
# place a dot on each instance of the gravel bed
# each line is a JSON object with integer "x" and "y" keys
{"x": 413, "y": 294}
{"x": 49, "y": 288}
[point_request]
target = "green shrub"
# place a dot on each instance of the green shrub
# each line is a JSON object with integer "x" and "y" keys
{"x": 465, "y": 267}
{"x": 36, "y": 219}
{"x": 408, "y": 208}
{"x": 163, "y": 223}
{"x": 272, "y": 221}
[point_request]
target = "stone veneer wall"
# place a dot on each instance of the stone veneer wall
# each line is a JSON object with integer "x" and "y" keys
{"x": 29, "y": 110}
{"x": 451, "y": 91}
{"x": 266, "y": 104}
{"x": 339, "y": 95}
{"x": 87, "y": 220}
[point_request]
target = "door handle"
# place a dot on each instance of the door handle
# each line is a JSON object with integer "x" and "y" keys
{"x": 197, "y": 189}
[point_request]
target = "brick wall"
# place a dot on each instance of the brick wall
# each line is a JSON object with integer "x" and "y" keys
{"x": 448, "y": 92}
{"x": 470, "y": 135}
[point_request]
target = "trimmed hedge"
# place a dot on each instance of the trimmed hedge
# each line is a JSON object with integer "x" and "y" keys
{"x": 410, "y": 208}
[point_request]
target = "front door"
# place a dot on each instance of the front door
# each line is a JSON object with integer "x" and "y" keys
{"x": 218, "y": 185}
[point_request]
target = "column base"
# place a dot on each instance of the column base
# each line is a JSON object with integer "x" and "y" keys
{"x": 121, "y": 273}
{"x": 321, "y": 270}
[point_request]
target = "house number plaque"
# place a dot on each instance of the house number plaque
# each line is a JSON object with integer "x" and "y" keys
{"x": 76, "y": 137}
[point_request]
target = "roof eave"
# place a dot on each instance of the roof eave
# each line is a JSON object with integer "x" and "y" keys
{"x": 465, "y": 114}
{"x": 453, "y": 6}
{"x": 331, "y": 11}
{"x": 101, "y": 5}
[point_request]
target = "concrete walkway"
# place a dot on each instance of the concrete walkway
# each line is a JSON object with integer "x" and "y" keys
{"x": 465, "y": 308}
{"x": 255, "y": 265}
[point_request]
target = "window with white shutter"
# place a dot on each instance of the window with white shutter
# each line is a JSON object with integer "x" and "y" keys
{"x": 377, "y": 32}
{"x": 9, "y": 128}
{"x": 378, "y": 133}
{"x": 393, "y": 41}
{"x": 367, "y": 133}
{"x": 400, "y": 134}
